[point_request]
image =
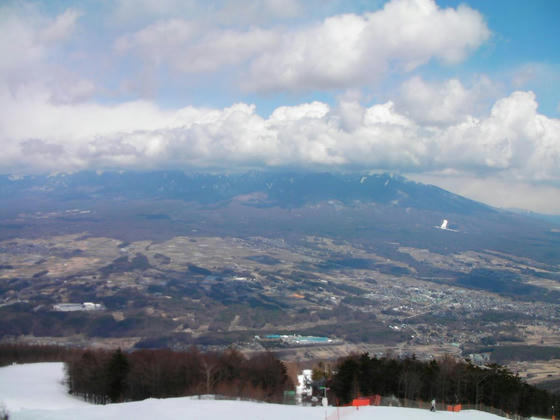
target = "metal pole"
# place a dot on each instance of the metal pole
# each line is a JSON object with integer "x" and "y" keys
{"x": 324, "y": 402}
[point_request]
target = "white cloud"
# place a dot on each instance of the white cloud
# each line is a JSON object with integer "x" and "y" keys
{"x": 444, "y": 103}
{"x": 498, "y": 191}
{"x": 19, "y": 47}
{"x": 73, "y": 91}
{"x": 299, "y": 112}
{"x": 341, "y": 51}
{"x": 27, "y": 37}
{"x": 189, "y": 47}
{"x": 61, "y": 28}
{"x": 513, "y": 139}
{"x": 33, "y": 50}
{"x": 351, "y": 50}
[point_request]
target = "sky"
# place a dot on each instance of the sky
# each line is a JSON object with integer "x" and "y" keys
{"x": 461, "y": 94}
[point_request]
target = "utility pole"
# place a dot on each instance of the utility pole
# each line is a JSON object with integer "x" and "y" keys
{"x": 325, "y": 401}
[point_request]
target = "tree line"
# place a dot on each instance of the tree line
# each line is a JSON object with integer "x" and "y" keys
{"x": 102, "y": 376}
{"x": 448, "y": 380}
{"x": 26, "y": 353}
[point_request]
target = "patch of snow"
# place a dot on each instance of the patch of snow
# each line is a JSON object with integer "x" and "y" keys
{"x": 36, "y": 385}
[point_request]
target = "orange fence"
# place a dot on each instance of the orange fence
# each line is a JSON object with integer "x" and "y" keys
{"x": 363, "y": 401}
{"x": 360, "y": 402}
{"x": 399, "y": 402}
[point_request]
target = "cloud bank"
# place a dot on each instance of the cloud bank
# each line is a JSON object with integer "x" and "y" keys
{"x": 512, "y": 139}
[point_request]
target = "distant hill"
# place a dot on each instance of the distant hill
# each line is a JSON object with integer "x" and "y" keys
{"x": 551, "y": 218}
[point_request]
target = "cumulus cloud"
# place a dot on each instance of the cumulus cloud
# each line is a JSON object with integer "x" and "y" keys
{"x": 341, "y": 51}
{"x": 512, "y": 139}
{"x": 444, "y": 103}
{"x": 350, "y": 49}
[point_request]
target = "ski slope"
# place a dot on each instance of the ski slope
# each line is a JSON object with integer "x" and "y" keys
{"x": 36, "y": 391}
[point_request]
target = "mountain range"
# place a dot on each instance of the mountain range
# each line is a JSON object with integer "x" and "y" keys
{"x": 369, "y": 207}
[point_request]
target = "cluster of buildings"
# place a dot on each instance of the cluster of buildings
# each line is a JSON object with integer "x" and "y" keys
{"x": 72, "y": 307}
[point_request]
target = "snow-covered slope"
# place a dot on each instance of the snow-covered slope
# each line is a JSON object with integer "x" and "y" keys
{"x": 35, "y": 391}
{"x": 36, "y": 385}
{"x": 185, "y": 408}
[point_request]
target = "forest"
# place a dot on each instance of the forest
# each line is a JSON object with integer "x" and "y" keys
{"x": 113, "y": 376}
{"x": 449, "y": 381}
{"x": 105, "y": 376}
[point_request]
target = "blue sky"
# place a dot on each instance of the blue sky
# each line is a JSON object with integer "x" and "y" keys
{"x": 462, "y": 94}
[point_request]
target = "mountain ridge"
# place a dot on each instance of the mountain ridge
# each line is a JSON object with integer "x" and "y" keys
{"x": 286, "y": 190}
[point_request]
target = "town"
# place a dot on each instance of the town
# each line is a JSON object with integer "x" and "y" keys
{"x": 218, "y": 291}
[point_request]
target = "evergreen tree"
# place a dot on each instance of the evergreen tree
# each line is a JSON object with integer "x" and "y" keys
{"x": 448, "y": 380}
{"x": 117, "y": 372}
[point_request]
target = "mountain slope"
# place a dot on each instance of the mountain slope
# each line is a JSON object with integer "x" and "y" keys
{"x": 370, "y": 208}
